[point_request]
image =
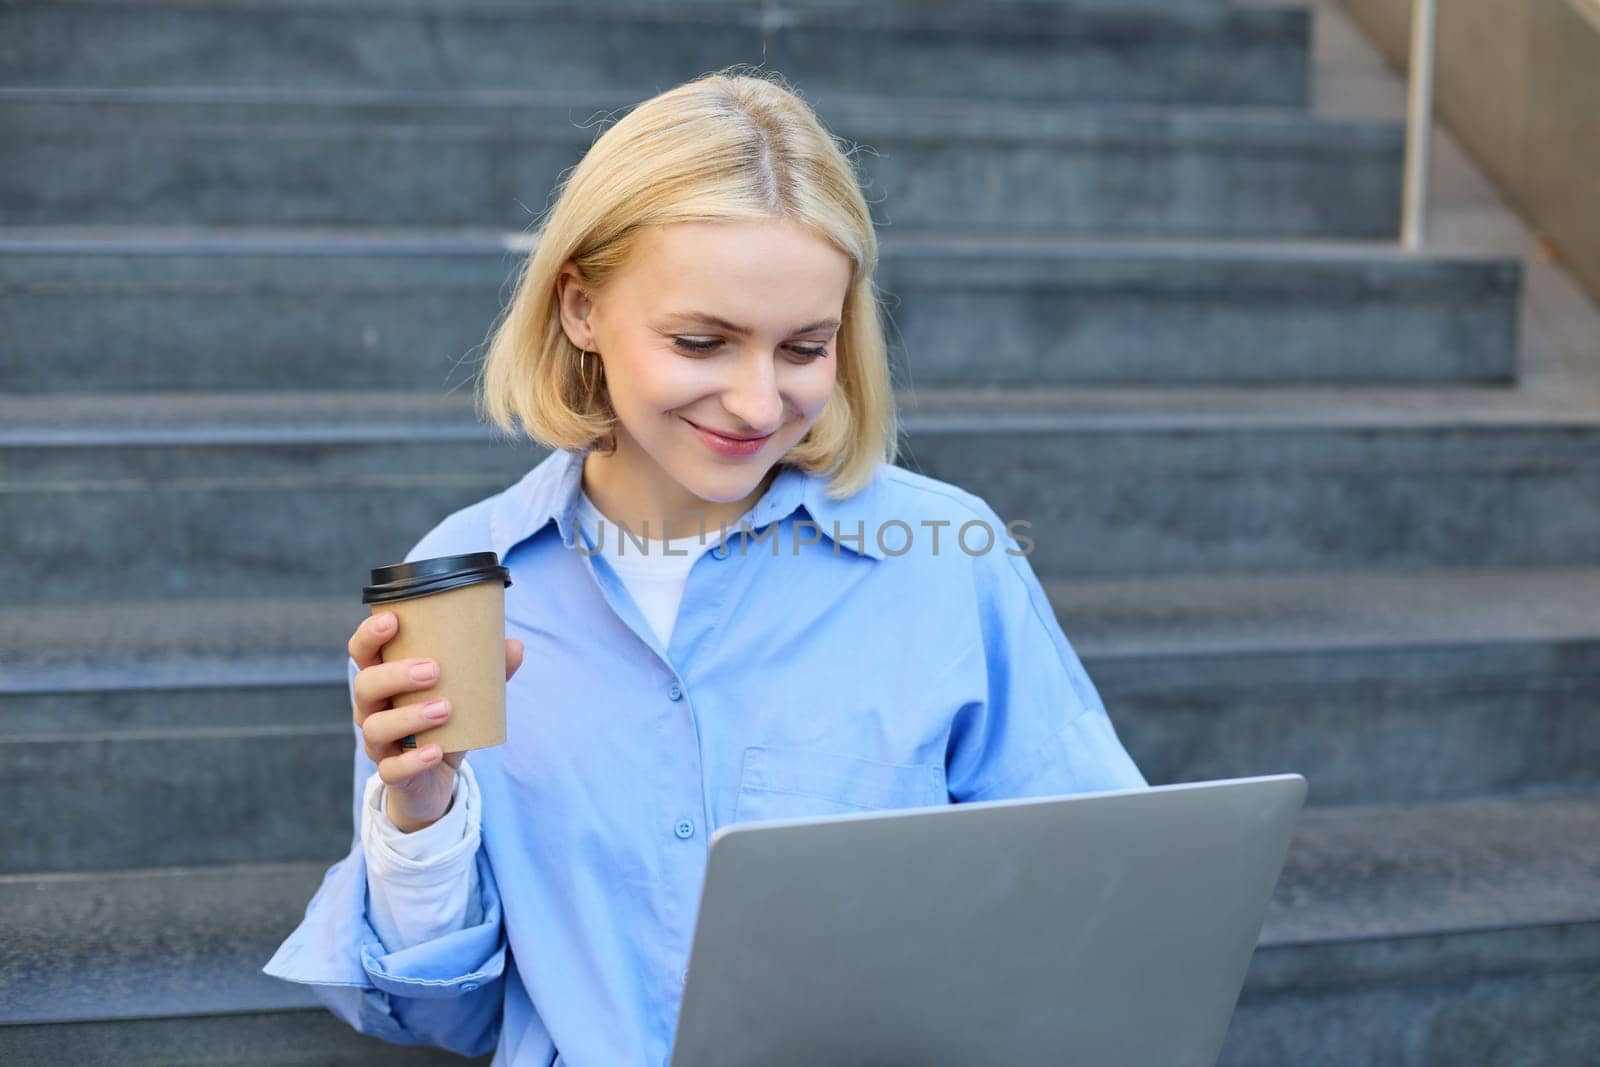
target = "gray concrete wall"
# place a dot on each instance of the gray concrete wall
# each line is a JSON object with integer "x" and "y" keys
{"x": 1519, "y": 86}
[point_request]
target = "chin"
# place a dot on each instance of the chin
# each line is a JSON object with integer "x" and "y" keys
{"x": 723, "y": 485}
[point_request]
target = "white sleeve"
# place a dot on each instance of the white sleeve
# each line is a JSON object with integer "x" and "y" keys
{"x": 422, "y": 885}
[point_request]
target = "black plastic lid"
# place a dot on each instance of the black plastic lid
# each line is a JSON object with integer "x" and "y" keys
{"x": 401, "y": 581}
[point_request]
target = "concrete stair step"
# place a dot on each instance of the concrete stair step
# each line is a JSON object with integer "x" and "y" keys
{"x": 1462, "y": 933}
{"x": 426, "y": 160}
{"x": 202, "y": 495}
{"x": 145, "y": 311}
{"x": 1052, "y": 51}
{"x": 217, "y": 735}
{"x": 1210, "y": 479}
{"x": 309, "y": 1037}
{"x": 1389, "y": 922}
{"x": 1494, "y": 674}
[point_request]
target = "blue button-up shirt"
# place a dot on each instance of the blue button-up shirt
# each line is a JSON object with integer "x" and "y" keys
{"x": 829, "y": 656}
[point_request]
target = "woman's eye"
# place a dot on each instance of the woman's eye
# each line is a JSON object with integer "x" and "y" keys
{"x": 706, "y": 344}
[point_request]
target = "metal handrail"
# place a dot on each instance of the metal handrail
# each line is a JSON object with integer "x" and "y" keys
{"x": 1589, "y": 9}
{"x": 1419, "y": 125}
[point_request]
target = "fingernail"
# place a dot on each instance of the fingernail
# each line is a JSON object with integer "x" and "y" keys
{"x": 382, "y": 621}
{"x": 424, "y": 672}
{"x": 436, "y": 709}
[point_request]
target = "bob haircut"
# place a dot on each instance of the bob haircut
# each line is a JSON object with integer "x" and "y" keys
{"x": 721, "y": 147}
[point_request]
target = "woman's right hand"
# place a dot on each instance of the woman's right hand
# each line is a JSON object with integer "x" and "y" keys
{"x": 419, "y": 780}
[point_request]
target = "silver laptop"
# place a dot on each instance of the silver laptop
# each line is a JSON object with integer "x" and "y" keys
{"x": 1097, "y": 928}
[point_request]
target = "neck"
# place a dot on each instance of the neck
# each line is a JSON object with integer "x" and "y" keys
{"x": 653, "y": 503}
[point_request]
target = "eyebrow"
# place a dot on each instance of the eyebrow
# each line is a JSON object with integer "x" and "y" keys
{"x": 742, "y": 331}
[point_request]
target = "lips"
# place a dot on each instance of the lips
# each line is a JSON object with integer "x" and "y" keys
{"x": 728, "y": 436}
{"x": 730, "y": 447}
{"x": 732, "y": 437}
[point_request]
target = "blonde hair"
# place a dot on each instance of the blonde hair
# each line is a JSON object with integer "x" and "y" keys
{"x": 722, "y": 147}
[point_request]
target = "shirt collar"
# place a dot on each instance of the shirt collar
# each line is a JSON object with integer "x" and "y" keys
{"x": 550, "y": 492}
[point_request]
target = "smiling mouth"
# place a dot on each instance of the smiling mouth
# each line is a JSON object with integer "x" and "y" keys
{"x": 728, "y": 436}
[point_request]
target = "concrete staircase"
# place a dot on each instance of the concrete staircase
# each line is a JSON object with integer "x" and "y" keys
{"x": 1292, "y": 494}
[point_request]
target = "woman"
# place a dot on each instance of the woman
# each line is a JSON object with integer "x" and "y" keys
{"x": 727, "y": 604}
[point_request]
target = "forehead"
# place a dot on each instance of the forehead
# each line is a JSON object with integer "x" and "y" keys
{"x": 742, "y": 264}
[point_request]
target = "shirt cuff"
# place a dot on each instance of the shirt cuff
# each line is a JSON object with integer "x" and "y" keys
{"x": 431, "y": 842}
{"x": 422, "y": 885}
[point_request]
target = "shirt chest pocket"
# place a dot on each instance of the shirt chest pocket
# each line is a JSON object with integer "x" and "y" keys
{"x": 782, "y": 783}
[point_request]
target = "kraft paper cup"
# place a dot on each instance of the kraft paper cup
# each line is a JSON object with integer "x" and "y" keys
{"x": 452, "y": 610}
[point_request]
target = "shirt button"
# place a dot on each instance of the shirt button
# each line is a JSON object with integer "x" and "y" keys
{"x": 685, "y": 828}
{"x": 675, "y": 691}
{"x": 467, "y": 987}
{"x": 720, "y": 552}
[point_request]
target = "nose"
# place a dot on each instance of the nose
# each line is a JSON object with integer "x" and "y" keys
{"x": 752, "y": 398}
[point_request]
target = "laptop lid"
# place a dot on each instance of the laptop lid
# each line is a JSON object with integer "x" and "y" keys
{"x": 1104, "y": 928}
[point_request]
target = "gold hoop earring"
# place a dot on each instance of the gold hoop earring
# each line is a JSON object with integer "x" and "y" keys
{"x": 584, "y": 363}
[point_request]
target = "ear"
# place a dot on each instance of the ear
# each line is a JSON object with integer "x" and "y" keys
{"x": 576, "y": 306}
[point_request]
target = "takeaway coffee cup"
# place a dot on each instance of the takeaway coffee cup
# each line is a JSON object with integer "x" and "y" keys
{"x": 452, "y": 610}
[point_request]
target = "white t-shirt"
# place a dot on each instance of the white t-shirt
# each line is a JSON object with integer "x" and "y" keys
{"x": 654, "y": 578}
{"x": 423, "y": 885}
